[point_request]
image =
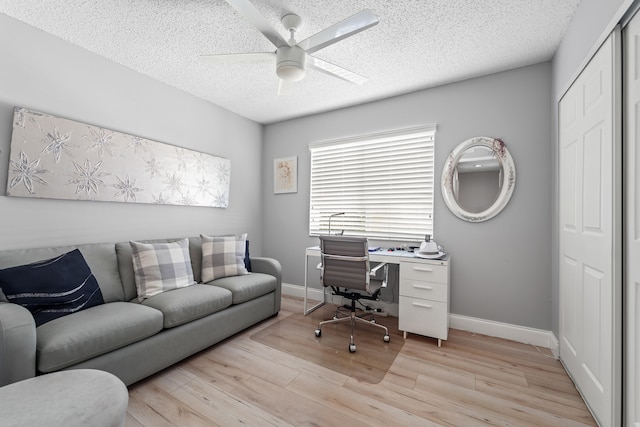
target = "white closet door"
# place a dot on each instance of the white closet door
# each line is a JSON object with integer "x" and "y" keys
{"x": 589, "y": 254}
{"x": 632, "y": 221}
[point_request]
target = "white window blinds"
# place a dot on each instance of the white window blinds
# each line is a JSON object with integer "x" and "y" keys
{"x": 380, "y": 186}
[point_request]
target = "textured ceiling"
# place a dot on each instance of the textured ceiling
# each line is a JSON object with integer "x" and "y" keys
{"x": 417, "y": 44}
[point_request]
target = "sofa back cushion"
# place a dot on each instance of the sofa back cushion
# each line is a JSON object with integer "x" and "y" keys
{"x": 125, "y": 263}
{"x": 100, "y": 257}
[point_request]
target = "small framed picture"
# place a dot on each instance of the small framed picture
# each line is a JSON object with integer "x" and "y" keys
{"x": 285, "y": 175}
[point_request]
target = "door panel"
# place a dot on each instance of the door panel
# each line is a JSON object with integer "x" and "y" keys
{"x": 570, "y": 297}
{"x": 589, "y": 254}
{"x": 593, "y": 180}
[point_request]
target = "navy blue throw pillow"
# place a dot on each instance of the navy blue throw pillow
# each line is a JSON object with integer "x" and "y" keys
{"x": 52, "y": 288}
{"x": 247, "y": 259}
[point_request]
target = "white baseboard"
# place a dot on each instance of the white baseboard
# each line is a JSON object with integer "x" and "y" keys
{"x": 298, "y": 291}
{"x": 523, "y": 334}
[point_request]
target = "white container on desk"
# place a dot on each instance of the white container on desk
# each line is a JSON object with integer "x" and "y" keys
{"x": 424, "y": 297}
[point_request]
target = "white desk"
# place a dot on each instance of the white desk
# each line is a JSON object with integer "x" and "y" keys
{"x": 423, "y": 289}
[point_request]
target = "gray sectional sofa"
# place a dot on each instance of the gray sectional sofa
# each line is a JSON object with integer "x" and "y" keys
{"x": 123, "y": 336}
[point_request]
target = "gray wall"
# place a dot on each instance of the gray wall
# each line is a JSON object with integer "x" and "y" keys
{"x": 501, "y": 269}
{"x": 593, "y": 21}
{"x": 40, "y": 72}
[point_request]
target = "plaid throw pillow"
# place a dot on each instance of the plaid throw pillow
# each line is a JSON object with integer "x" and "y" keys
{"x": 160, "y": 267}
{"x": 223, "y": 256}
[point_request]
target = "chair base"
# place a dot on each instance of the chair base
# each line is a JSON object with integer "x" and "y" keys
{"x": 353, "y": 319}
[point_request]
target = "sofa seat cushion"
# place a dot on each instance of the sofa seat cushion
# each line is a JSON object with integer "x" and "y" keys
{"x": 180, "y": 306}
{"x": 89, "y": 333}
{"x": 247, "y": 287}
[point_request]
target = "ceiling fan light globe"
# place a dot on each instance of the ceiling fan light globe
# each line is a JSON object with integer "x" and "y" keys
{"x": 290, "y": 72}
{"x": 290, "y": 63}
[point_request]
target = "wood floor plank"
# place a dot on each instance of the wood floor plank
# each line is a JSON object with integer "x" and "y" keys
{"x": 429, "y": 406}
{"x": 443, "y": 410}
{"x": 290, "y": 406}
{"x": 173, "y": 378}
{"x": 500, "y": 355}
{"x": 132, "y": 422}
{"x": 472, "y": 380}
{"x": 224, "y": 375}
{"x": 254, "y": 365}
{"x": 447, "y": 359}
{"x": 354, "y": 405}
{"x": 507, "y": 409}
{"x": 165, "y": 408}
{"x": 284, "y": 359}
{"x": 223, "y": 407}
{"x": 535, "y": 399}
{"x": 446, "y": 373}
{"x": 405, "y": 377}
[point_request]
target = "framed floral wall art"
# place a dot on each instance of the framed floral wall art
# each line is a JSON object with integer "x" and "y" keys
{"x": 285, "y": 175}
{"x": 57, "y": 158}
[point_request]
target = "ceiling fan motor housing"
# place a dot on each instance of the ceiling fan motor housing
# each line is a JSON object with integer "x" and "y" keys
{"x": 290, "y": 62}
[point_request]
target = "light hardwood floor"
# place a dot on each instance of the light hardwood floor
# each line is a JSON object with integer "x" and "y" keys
{"x": 471, "y": 380}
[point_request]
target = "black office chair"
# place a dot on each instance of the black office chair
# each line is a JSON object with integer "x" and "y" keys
{"x": 345, "y": 268}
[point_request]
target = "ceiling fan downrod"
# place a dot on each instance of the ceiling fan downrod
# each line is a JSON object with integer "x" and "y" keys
{"x": 290, "y": 60}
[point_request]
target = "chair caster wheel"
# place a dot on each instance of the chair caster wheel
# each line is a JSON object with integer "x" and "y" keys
{"x": 318, "y": 332}
{"x": 386, "y": 338}
{"x": 352, "y": 348}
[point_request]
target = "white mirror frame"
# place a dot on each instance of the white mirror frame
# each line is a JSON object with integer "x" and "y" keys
{"x": 507, "y": 185}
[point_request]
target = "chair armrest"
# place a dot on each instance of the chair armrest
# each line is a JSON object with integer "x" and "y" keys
{"x": 17, "y": 343}
{"x": 269, "y": 266}
{"x": 375, "y": 269}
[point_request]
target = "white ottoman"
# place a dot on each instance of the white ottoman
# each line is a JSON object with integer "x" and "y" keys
{"x": 82, "y": 397}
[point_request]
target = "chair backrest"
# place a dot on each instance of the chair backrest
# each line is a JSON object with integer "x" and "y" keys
{"x": 345, "y": 262}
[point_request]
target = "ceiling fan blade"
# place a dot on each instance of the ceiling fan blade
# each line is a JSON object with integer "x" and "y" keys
{"x": 251, "y": 14}
{"x": 238, "y": 57}
{"x": 343, "y": 29}
{"x": 284, "y": 87}
{"x": 334, "y": 70}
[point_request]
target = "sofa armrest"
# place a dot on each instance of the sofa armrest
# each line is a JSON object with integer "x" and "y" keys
{"x": 17, "y": 343}
{"x": 269, "y": 266}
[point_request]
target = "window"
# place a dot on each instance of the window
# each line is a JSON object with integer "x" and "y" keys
{"x": 379, "y": 186}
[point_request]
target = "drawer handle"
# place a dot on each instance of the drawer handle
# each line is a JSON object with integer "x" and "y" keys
{"x": 417, "y": 304}
{"x": 428, "y": 288}
{"x": 428, "y": 270}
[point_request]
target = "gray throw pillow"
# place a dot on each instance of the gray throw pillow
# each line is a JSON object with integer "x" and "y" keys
{"x": 223, "y": 256}
{"x": 160, "y": 267}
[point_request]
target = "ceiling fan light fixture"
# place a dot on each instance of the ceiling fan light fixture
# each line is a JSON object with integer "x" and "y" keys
{"x": 290, "y": 73}
{"x": 290, "y": 62}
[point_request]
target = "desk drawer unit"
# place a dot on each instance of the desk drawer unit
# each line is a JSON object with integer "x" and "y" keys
{"x": 425, "y": 290}
{"x": 424, "y": 298}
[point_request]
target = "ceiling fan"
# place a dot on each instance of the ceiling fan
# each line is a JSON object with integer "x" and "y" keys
{"x": 293, "y": 57}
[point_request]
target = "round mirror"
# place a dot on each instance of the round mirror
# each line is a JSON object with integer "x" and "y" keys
{"x": 478, "y": 179}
